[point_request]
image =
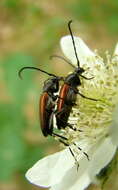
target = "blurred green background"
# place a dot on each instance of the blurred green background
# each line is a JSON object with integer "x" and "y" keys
{"x": 30, "y": 31}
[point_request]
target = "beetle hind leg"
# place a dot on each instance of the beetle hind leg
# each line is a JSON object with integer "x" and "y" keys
{"x": 72, "y": 153}
{"x": 87, "y": 156}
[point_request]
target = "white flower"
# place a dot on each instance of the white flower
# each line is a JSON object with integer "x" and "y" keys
{"x": 99, "y": 137}
{"x": 116, "y": 50}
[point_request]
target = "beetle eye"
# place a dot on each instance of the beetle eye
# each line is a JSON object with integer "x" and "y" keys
{"x": 53, "y": 80}
{"x": 80, "y": 70}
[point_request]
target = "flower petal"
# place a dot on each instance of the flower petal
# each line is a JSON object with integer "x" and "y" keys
{"x": 114, "y": 128}
{"x": 80, "y": 183}
{"x": 51, "y": 169}
{"x": 102, "y": 156}
{"x": 74, "y": 179}
{"x": 116, "y": 49}
{"x": 83, "y": 52}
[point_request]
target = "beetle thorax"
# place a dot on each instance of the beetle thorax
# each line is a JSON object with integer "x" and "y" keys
{"x": 79, "y": 70}
{"x": 51, "y": 85}
{"x": 73, "y": 80}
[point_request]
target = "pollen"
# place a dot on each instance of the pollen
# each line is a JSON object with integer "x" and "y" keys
{"x": 93, "y": 118}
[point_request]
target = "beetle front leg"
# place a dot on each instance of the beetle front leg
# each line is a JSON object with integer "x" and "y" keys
{"x": 83, "y": 96}
{"x": 68, "y": 145}
{"x": 58, "y": 114}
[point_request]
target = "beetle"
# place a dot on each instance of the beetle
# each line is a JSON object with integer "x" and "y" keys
{"x": 66, "y": 99}
{"x": 46, "y": 101}
{"x": 69, "y": 90}
{"x": 47, "y": 107}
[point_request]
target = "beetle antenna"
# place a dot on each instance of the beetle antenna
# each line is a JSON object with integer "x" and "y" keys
{"x": 60, "y": 57}
{"x": 34, "y": 68}
{"x": 69, "y": 27}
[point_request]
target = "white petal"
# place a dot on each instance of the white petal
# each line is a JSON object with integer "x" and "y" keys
{"x": 83, "y": 52}
{"x": 51, "y": 169}
{"x": 80, "y": 183}
{"x": 116, "y": 50}
{"x": 74, "y": 179}
{"x": 102, "y": 156}
{"x": 114, "y": 128}
{"x": 83, "y": 182}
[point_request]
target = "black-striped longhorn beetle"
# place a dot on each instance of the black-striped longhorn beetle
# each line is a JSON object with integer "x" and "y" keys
{"x": 47, "y": 107}
{"x": 66, "y": 99}
{"x": 69, "y": 90}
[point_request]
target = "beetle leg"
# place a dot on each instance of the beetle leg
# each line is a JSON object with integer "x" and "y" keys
{"x": 58, "y": 113}
{"x": 67, "y": 144}
{"x": 87, "y": 97}
{"x": 82, "y": 151}
{"x": 86, "y": 77}
{"x": 60, "y": 136}
{"x": 61, "y": 140}
{"x": 76, "y": 161}
{"x": 83, "y": 96}
{"x": 71, "y": 127}
{"x": 51, "y": 127}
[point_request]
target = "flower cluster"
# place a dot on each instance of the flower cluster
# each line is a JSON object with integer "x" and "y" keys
{"x": 99, "y": 134}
